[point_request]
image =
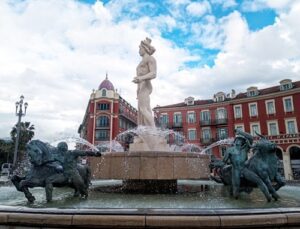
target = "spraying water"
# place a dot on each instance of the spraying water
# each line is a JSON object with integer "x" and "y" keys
{"x": 227, "y": 141}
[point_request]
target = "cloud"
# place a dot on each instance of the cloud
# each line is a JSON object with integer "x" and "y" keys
{"x": 198, "y": 9}
{"x": 258, "y": 5}
{"x": 225, "y": 3}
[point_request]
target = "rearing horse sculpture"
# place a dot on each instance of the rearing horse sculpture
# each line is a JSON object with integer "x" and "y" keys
{"x": 41, "y": 156}
{"x": 259, "y": 171}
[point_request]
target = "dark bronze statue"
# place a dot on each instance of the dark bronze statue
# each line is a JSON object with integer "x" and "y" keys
{"x": 243, "y": 174}
{"x": 54, "y": 167}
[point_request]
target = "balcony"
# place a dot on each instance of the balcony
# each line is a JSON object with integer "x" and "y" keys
{"x": 102, "y": 127}
{"x": 221, "y": 121}
{"x": 176, "y": 125}
{"x": 205, "y": 122}
{"x": 221, "y": 137}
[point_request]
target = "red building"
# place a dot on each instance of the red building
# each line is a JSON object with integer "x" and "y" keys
{"x": 107, "y": 114}
{"x": 273, "y": 112}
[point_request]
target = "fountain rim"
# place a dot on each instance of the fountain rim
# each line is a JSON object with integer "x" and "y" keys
{"x": 150, "y": 217}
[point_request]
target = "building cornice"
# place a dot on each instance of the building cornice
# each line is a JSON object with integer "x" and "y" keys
{"x": 267, "y": 96}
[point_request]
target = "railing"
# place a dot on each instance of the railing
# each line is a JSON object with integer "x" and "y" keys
{"x": 177, "y": 125}
{"x": 103, "y": 127}
{"x": 211, "y": 122}
{"x": 168, "y": 125}
{"x": 205, "y": 122}
{"x": 127, "y": 115}
{"x": 221, "y": 137}
{"x": 221, "y": 121}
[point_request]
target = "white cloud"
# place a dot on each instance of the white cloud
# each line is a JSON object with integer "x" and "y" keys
{"x": 257, "y": 5}
{"x": 198, "y": 9}
{"x": 225, "y": 3}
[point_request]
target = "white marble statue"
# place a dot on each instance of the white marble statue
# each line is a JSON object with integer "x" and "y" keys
{"x": 145, "y": 72}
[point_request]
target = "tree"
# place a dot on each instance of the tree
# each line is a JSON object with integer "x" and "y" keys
{"x": 6, "y": 151}
{"x": 26, "y": 134}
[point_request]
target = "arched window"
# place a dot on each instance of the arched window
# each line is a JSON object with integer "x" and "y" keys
{"x": 102, "y": 121}
{"x": 103, "y": 92}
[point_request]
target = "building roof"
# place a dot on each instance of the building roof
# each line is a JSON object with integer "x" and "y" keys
{"x": 196, "y": 102}
{"x": 106, "y": 84}
{"x": 268, "y": 90}
{"x": 264, "y": 91}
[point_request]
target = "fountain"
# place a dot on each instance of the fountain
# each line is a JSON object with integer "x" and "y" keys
{"x": 151, "y": 165}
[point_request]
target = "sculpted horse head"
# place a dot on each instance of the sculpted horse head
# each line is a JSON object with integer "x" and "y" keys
{"x": 264, "y": 145}
{"x": 39, "y": 152}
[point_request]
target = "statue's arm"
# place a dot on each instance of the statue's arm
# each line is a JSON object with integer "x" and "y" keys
{"x": 152, "y": 70}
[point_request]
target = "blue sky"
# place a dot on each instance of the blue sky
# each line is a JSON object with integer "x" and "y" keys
{"x": 56, "y": 52}
{"x": 180, "y": 35}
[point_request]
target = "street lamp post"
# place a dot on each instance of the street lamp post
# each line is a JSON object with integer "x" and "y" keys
{"x": 19, "y": 113}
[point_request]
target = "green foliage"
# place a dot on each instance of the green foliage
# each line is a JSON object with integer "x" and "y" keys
{"x": 26, "y": 134}
{"x": 6, "y": 151}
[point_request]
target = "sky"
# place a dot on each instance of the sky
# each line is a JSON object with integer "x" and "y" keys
{"x": 56, "y": 52}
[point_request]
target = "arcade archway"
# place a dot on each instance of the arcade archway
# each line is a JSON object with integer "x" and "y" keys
{"x": 295, "y": 161}
{"x": 280, "y": 157}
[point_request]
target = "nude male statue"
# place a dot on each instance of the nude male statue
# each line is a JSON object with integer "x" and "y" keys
{"x": 145, "y": 72}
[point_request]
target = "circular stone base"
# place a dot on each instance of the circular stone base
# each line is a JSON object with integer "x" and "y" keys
{"x": 18, "y": 217}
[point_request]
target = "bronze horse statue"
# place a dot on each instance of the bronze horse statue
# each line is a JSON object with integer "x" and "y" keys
{"x": 43, "y": 166}
{"x": 261, "y": 170}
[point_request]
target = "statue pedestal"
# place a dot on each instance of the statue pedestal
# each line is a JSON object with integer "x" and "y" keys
{"x": 146, "y": 142}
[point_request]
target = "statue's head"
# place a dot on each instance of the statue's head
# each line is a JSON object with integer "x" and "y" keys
{"x": 239, "y": 141}
{"x": 62, "y": 146}
{"x": 146, "y": 47}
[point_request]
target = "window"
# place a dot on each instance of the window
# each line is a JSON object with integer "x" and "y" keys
{"x": 222, "y": 133}
{"x": 103, "y": 106}
{"x": 221, "y": 113}
{"x": 288, "y": 104}
{"x": 179, "y": 138}
{"x": 255, "y": 128}
{"x": 192, "y": 134}
{"x": 191, "y": 117}
{"x": 252, "y": 91}
{"x": 286, "y": 84}
{"x": 291, "y": 126}
{"x": 177, "y": 118}
{"x": 102, "y": 135}
{"x": 239, "y": 127}
{"x": 273, "y": 128}
{"x": 220, "y": 98}
{"x": 206, "y": 134}
{"x": 238, "y": 111}
{"x": 102, "y": 121}
{"x": 189, "y": 101}
{"x": 253, "y": 109}
{"x": 222, "y": 150}
{"x": 103, "y": 92}
{"x": 270, "y": 107}
{"x": 205, "y": 116}
{"x": 285, "y": 87}
{"x": 164, "y": 118}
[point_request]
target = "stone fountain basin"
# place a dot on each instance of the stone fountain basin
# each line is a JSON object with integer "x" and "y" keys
{"x": 11, "y": 217}
{"x": 151, "y": 165}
